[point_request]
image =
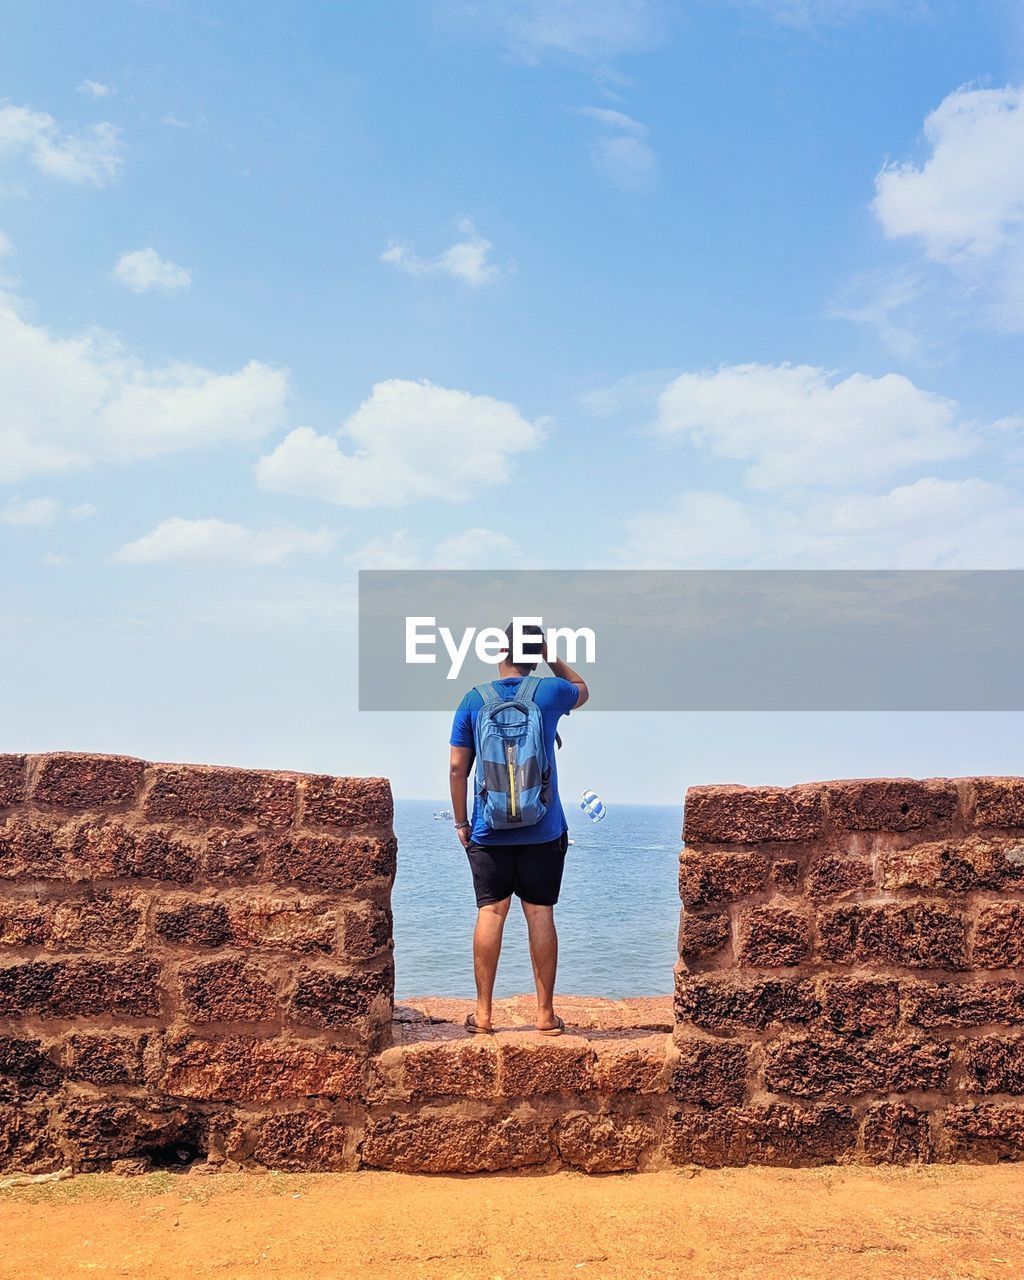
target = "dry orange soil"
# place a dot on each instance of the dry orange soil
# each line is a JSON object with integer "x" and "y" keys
{"x": 922, "y": 1224}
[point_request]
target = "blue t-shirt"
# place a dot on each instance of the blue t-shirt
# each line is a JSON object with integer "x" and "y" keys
{"x": 555, "y": 698}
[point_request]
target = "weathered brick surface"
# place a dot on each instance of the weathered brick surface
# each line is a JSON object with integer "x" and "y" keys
{"x": 444, "y": 1143}
{"x": 277, "y": 924}
{"x": 706, "y": 878}
{"x": 962, "y": 1004}
{"x": 346, "y": 802}
{"x": 891, "y": 804}
{"x": 333, "y": 999}
{"x": 246, "y": 1069}
{"x": 33, "y": 847}
{"x": 12, "y": 779}
{"x": 100, "y": 921}
{"x": 80, "y": 988}
{"x": 303, "y": 1142}
{"x": 922, "y": 935}
{"x": 994, "y": 1064}
{"x": 229, "y": 990}
{"x": 860, "y": 1006}
{"x": 893, "y": 911}
{"x": 752, "y": 815}
{"x": 160, "y": 926}
{"x": 896, "y": 1133}
{"x": 25, "y": 1068}
{"x": 561, "y": 1065}
{"x": 772, "y": 937}
{"x": 725, "y": 1002}
{"x": 770, "y": 1135}
{"x": 466, "y": 1070}
{"x": 986, "y": 1133}
{"x": 711, "y": 1073}
{"x": 836, "y": 875}
{"x": 603, "y": 1143}
{"x": 329, "y": 863}
{"x": 104, "y": 1058}
{"x": 194, "y": 924}
{"x": 68, "y": 780}
{"x": 23, "y": 922}
{"x": 959, "y": 866}
{"x": 212, "y": 795}
{"x": 823, "y": 1065}
{"x": 999, "y": 936}
{"x": 999, "y": 802}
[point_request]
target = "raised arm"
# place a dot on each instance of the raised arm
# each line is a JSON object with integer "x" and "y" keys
{"x": 565, "y": 672}
{"x": 459, "y": 765}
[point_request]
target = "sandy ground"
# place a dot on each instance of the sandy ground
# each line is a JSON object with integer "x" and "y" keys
{"x": 834, "y": 1223}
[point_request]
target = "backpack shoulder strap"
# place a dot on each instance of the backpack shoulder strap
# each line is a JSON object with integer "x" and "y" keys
{"x": 487, "y": 692}
{"x": 527, "y": 689}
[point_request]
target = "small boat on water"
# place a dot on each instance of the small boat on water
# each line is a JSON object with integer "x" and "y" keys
{"x": 441, "y": 814}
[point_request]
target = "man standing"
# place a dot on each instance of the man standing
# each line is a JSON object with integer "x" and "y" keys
{"x": 524, "y": 858}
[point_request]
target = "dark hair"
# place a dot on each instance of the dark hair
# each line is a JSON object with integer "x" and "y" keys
{"x": 531, "y": 650}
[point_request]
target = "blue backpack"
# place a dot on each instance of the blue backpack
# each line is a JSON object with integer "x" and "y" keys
{"x": 513, "y": 780}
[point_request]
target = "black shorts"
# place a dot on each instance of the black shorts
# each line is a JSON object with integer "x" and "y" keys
{"x": 532, "y": 871}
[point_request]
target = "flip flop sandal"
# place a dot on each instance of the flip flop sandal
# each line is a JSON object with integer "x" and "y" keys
{"x": 470, "y": 1025}
{"x": 556, "y": 1030}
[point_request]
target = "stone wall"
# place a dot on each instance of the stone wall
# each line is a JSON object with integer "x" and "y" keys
{"x": 193, "y": 960}
{"x": 851, "y": 974}
{"x": 195, "y": 966}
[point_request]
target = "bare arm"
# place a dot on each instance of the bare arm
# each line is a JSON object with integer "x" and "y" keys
{"x": 459, "y": 765}
{"x": 565, "y": 672}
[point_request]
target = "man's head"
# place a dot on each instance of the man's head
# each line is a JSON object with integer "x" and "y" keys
{"x": 533, "y": 638}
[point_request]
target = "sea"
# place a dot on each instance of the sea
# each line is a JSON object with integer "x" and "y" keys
{"x": 617, "y": 916}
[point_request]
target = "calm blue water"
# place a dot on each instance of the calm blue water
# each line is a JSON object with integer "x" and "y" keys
{"x": 617, "y": 915}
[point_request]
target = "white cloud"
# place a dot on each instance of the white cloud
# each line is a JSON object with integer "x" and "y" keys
{"x": 83, "y": 511}
{"x": 408, "y": 441}
{"x": 143, "y": 269}
{"x": 70, "y": 402}
{"x": 220, "y": 541}
{"x": 812, "y": 13}
{"x": 466, "y": 260}
{"x": 967, "y": 199}
{"x": 471, "y": 549}
{"x": 6, "y": 247}
{"x": 929, "y": 524}
{"x": 53, "y": 558}
{"x": 30, "y": 511}
{"x": 591, "y": 31}
{"x": 91, "y": 156}
{"x": 94, "y": 89}
{"x": 797, "y": 425}
{"x": 622, "y": 153}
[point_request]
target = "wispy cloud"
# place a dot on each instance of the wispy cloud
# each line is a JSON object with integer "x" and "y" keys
{"x": 93, "y": 156}
{"x": 622, "y": 153}
{"x": 180, "y": 541}
{"x": 802, "y": 14}
{"x": 589, "y": 31}
{"x": 95, "y": 89}
{"x": 407, "y": 442}
{"x": 466, "y": 260}
{"x": 30, "y": 511}
{"x": 143, "y": 269}
{"x": 74, "y": 401}
{"x": 471, "y": 549}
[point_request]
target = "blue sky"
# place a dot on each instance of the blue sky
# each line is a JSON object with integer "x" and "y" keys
{"x": 293, "y": 289}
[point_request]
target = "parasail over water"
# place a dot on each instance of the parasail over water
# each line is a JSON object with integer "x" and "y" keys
{"x": 592, "y": 806}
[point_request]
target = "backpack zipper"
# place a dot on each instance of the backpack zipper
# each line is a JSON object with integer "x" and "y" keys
{"x": 513, "y": 808}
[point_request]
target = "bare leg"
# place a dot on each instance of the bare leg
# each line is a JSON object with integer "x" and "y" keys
{"x": 490, "y": 922}
{"x": 540, "y": 921}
